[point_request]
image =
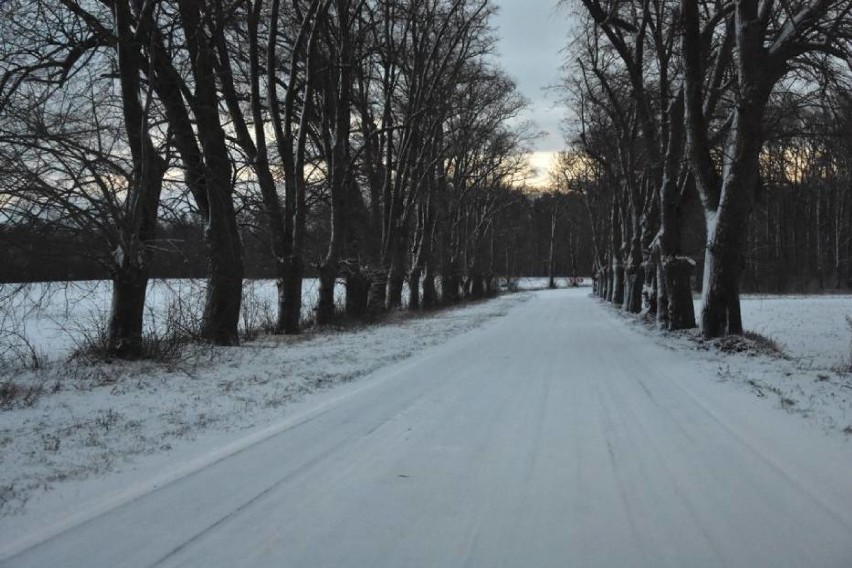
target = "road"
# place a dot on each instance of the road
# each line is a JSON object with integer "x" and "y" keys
{"x": 552, "y": 436}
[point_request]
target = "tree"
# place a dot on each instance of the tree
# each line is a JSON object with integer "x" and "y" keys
{"x": 764, "y": 42}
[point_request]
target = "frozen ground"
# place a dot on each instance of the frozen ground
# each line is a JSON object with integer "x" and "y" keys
{"x": 54, "y": 318}
{"x": 559, "y": 434}
{"x": 811, "y": 376}
{"x": 50, "y": 320}
{"x": 810, "y": 328}
{"x": 98, "y": 418}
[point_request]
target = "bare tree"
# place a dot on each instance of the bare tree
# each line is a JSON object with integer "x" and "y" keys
{"x": 765, "y": 41}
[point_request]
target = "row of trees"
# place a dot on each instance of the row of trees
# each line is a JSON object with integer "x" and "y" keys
{"x": 801, "y": 231}
{"x": 686, "y": 114}
{"x": 377, "y": 127}
{"x": 537, "y": 233}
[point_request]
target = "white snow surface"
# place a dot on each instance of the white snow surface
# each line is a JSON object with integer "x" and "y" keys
{"x": 98, "y": 418}
{"x": 561, "y": 434}
{"x": 811, "y": 328}
{"x": 54, "y": 318}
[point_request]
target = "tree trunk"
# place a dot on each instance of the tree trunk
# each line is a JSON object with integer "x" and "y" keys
{"x": 634, "y": 278}
{"x": 617, "y": 281}
{"x": 430, "y": 295}
{"x": 290, "y": 295}
{"x": 662, "y": 303}
{"x": 396, "y": 272}
{"x": 490, "y": 288}
{"x": 727, "y": 226}
{"x": 326, "y": 308}
{"x": 225, "y": 280}
{"x": 477, "y": 285}
{"x": 138, "y": 227}
{"x": 126, "y": 313}
{"x": 551, "y": 261}
{"x": 617, "y": 274}
{"x": 357, "y": 292}
{"x": 414, "y": 289}
{"x": 339, "y": 93}
{"x": 677, "y": 275}
{"x": 396, "y": 281}
{"x": 723, "y": 265}
{"x": 649, "y": 287}
{"x": 610, "y": 283}
{"x": 450, "y": 283}
{"x": 378, "y": 291}
{"x": 225, "y": 264}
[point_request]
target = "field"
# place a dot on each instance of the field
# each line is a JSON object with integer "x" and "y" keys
{"x": 50, "y": 320}
{"x": 813, "y": 329}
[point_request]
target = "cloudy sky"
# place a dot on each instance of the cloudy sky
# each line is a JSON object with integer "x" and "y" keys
{"x": 532, "y": 34}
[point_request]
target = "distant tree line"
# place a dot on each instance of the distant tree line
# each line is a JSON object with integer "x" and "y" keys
{"x": 711, "y": 140}
{"x": 539, "y": 235}
{"x": 363, "y": 141}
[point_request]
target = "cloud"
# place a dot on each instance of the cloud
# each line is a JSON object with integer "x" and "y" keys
{"x": 531, "y": 37}
{"x": 540, "y": 164}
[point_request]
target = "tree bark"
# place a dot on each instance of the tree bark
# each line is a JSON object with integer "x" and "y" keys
{"x": 414, "y": 289}
{"x": 225, "y": 263}
{"x": 677, "y": 275}
{"x": 138, "y": 229}
{"x": 126, "y": 314}
{"x": 430, "y": 295}
{"x": 340, "y": 92}
{"x": 357, "y": 292}
{"x": 551, "y": 277}
{"x": 727, "y": 226}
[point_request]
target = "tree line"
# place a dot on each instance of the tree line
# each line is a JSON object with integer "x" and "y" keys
{"x": 537, "y": 234}
{"x": 364, "y": 141}
{"x": 710, "y": 139}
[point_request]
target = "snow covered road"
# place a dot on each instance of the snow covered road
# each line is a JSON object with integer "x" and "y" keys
{"x": 553, "y": 436}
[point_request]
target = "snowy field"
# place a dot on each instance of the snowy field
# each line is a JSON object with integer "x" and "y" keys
{"x": 53, "y": 319}
{"x": 50, "y": 320}
{"x": 811, "y": 328}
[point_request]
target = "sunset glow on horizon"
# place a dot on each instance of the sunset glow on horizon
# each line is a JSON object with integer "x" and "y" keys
{"x": 540, "y": 165}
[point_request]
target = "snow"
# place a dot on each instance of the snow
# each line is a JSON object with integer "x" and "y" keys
{"x": 810, "y": 377}
{"x": 55, "y": 318}
{"x": 813, "y": 378}
{"x": 811, "y": 328}
{"x": 105, "y": 418}
{"x": 555, "y": 432}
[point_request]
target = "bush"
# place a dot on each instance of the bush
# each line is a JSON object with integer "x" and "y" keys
{"x": 13, "y": 395}
{"x": 164, "y": 343}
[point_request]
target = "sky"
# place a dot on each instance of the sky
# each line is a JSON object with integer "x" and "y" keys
{"x": 532, "y": 34}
